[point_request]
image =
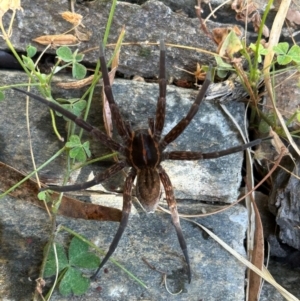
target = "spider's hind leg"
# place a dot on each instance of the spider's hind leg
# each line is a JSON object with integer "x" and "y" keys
{"x": 127, "y": 203}
{"x": 175, "y": 217}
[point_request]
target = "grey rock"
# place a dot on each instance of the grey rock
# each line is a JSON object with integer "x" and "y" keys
{"x": 288, "y": 216}
{"x": 143, "y": 24}
{"x": 26, "y": 229}
{"x": 151, "y": 236}
{"x": 283, "y": 201}
{"x": 215, "y": 180}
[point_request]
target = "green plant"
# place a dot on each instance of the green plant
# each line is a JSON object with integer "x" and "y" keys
{"x": 286, "y": 55}
{"x": 70, "y": 278}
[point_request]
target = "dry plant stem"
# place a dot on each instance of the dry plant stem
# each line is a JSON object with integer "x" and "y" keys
{"x": 56, "y": 272}
{"x": 166, "y": 286}
{"x": 273, "y": 40}
{"x": 202, "y": 24}
{"x": 276, "y": 164}
{"x": 256, "y": 254}
{"x": 45, "y": 254}
{"x": 213, "y": 11}
{"x": 152, "y": 267}
{"x": 29, "y": 133}
{"x": 164, "y": 274}
{"x": 286, "y": 170}
{"x": 245, "y": 80}
{"x": 7, "y": 34}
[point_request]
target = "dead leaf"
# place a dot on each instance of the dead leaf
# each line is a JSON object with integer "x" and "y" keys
{"x": 277, "y": 143}
{"x": 249, "y": 13}
{"x": 40, "y": 284}
{"x": 219, "y": 34}
{"x": 293, "y": 16}
{"x": 72, "y": 18}
{"x": 257, "y": 257}
{"x": 183, "y": 83}
{"x": 6, "y": 5}
{"x": 57, "y": 40}
{"x": 82, "y": 36}
{"x": 199, "y": 73}
{"x": 69, "y": 207}
{"x": 228, "y": 41}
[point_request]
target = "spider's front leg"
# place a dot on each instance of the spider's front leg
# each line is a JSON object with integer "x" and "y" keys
{"x": 161, "y": 101}
{"x": 175, "y": 217}
{"x": 188, "y": 155}
{"x": 184, "y": 122}
{"x": 104, "y": 138}
{"x": 127, "y": 202}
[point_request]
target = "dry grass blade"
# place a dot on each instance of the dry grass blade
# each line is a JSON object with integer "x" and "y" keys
{"x": 264, "y": 273}
{"x": 77, "y": 84}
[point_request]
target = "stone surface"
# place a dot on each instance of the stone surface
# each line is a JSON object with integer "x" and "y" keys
{"x": 152, "y": 236}
{"x": 25, "y": 229}
{"x": 288, "y": 215}
{"x": 143, "y": 24}
{"x": 215, "y": 180}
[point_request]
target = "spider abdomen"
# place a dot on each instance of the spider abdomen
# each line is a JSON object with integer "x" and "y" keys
{"x": 148, "y": 188}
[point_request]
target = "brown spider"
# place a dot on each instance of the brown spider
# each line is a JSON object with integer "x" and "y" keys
{"x": 143, "y": 151}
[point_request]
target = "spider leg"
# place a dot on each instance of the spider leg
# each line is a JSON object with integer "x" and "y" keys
{"x": 151, "y": 124}
{"x": 183, "y": 123}
{"x": 124, "y": 220}
{"x": 105, "y": 139}
{"x": 175, "y": 217}
{"x": 98, "y": 179}
{"x": 161, "y": 101}
{"x": 187, "y": 155}
{"x": 121, "y": 127}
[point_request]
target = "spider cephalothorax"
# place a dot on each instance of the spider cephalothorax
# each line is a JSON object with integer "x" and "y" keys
{"x": 143, "y": 151}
